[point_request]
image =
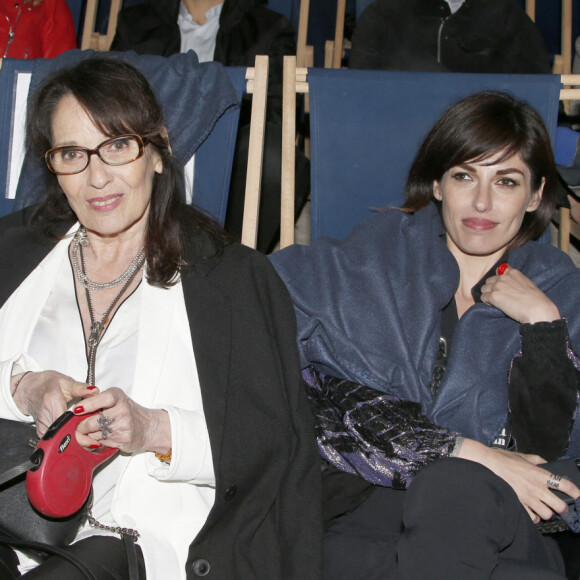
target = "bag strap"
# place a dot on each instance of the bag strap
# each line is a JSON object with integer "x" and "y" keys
{"x": 131, "y": 552}
{"x": 128, "y": 541}
{"x": 46, "y": 548}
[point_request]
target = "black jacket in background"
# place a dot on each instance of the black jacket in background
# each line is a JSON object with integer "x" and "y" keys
{"x": 246, "y": 30}
{"x": 483, "y": 36}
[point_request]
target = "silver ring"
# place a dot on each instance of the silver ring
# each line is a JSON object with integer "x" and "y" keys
{"x": 553, "y": 481}
{"x": 104, "y": 422}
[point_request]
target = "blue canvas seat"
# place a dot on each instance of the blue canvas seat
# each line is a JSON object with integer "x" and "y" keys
{"x": 366, "y": 126}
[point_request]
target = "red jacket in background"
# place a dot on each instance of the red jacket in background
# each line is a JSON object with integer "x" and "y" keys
{"x": 38, "y": 28}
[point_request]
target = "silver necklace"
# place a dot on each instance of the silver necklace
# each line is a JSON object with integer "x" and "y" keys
{"x": 97, "y": 330}
{"x": 98, "y": 326}
{"x": 81, "y": 241}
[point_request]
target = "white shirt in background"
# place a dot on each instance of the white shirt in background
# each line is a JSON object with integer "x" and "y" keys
{"x": 200, "y": 38}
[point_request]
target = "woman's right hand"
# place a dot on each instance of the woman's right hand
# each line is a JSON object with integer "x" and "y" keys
{"x": 525, "y": 476}
{"x": 45, "y": 396}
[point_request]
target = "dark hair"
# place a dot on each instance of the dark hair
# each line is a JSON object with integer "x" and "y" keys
{"x": 119, "y": 100}
{"x": 478, "y": 128}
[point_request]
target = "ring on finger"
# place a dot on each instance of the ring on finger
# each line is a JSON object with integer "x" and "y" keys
{"x": 103, "y": 422}
{"x": 553, "y": 481}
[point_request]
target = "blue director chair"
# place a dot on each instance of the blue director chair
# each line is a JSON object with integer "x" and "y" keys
{"x": 366, "y": 126}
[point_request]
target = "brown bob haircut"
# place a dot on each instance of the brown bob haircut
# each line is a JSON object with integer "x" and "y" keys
{"x": 119, "y": 100}
{"x": 482, "y": 127}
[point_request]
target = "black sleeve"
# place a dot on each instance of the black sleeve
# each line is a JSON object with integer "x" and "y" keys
{"x": 543, "y": 390}
{"x": 142, "y": 29}
{"x": 523, "y": 51}
{"x": 370, "y": 48}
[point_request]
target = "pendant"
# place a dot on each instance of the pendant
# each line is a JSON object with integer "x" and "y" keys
{"x": 82, "y": 237}
{"x": 96, "y": 329}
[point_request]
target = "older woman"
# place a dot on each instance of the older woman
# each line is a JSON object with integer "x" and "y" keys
{"x": 118, "y": 298}
{"x": 446, "y": 308}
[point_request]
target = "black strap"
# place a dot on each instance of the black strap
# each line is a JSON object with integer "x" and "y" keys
{"x": 131, "y": 551}
{"x": 46, "y": 548}
{"x": 14, "y": 472}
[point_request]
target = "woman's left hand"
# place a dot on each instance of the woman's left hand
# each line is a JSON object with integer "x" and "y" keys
{"x": 135, "y": 428}
{"x": 518, "y": 297}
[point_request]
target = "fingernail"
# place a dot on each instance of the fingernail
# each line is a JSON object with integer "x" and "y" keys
{"x": 79, "y": 409}
{"x": 95, "y": 446}
{"x": 91, "y": 388}
{"x": 501, "y": 269}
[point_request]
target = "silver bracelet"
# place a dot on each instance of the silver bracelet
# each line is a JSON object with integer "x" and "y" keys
{"x": 18, "y": 382}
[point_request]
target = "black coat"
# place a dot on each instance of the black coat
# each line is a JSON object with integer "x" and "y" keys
{"x": 265, "y": 522}
{"x": 246, "y": 30}
{"x": 483, "y": 36}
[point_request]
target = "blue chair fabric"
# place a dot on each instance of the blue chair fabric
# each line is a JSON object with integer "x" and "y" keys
{"x": 361, "y": 6}
{"x": 366, "y": 126}
{"x": 288, "y": 8}
{"x": 77, "y": 9}
{"x": 201, "y": 115}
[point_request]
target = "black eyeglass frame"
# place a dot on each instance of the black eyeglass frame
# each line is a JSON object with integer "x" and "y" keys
{"x": 142, "y": 142}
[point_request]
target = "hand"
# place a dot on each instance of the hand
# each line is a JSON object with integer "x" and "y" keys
{"x": 135, "y": 428}
{"x": 45, "y": 396}
{"x": 518, "y": 297}
{"x": 522, "y": 473}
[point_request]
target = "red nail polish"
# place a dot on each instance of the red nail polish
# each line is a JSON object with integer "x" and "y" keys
{"x": 79, "y": 409}
{"x": 95, "y": 446}
{"x": 91, "y": 388}
{"x": 501, "y": 269}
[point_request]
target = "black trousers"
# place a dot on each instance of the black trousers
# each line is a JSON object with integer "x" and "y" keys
{"x": 457, "y": 521}
{"x": 103, "y": 555}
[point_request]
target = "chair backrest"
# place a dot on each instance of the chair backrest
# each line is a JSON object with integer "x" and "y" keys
{"x": 366, "y": 126}
{"x": 93, "y": 39}
{"x": 210, "y": 163}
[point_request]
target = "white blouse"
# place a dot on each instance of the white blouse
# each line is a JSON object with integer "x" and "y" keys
{"x": 146, "y": 351}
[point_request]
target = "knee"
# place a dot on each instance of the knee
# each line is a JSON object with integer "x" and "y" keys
{"x": 465, "y": 485}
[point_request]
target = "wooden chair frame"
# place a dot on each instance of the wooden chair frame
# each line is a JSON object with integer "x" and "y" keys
{"x": 257, "y": 78}
{"x": 562, "y": 62}
{"x": 92, "y": 39}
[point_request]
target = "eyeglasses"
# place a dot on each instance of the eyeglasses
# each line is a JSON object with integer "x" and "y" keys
{"x": 121, "y": 150}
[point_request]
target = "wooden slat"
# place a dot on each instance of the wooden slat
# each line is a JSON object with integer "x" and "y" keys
{"x": 567, "y": 35}
{"x": 112, "y": 26}
{"x": 301, "y": 40}
{"x": 288, "y": 153}
{"x": 561, "y": 218}
{"x": 89, "y": 24}
{"x": 531, "y": 9}
{"x": 329, "y": 54}
{"x": 255, "y": 153}
{"x": 92, "y": 39}
{"x": 339, "y": 33}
